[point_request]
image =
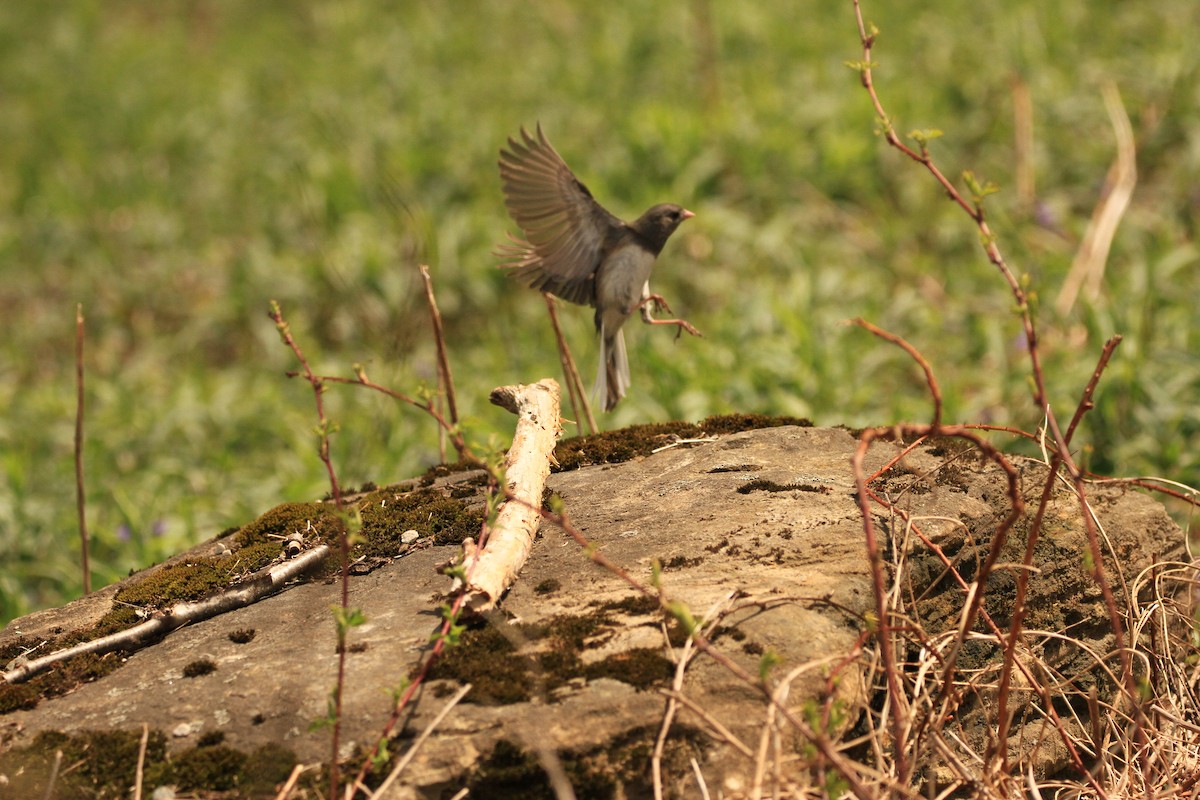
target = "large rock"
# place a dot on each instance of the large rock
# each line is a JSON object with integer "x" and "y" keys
{"x": 757, "y": 531}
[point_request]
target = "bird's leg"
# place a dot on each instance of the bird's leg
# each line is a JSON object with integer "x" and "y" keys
{"x": 660, "y": 304}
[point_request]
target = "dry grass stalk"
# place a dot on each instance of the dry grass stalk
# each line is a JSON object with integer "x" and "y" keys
{"x": 1087, "y": 270}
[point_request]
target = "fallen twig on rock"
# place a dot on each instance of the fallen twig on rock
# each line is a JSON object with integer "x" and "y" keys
{"x": 254, "y": 588}
{"x": 489, "y": 570}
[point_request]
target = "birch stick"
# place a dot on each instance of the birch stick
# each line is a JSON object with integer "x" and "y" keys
{"x": 492, "y": 569}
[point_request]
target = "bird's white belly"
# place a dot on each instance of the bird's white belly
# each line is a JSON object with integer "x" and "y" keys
{"x": 621, "y": 279}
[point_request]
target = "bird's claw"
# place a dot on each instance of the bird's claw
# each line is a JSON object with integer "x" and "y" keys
{"x": 660, "y": 303}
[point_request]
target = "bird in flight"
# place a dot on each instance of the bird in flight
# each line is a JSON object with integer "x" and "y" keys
{"x": 575, "y": 249}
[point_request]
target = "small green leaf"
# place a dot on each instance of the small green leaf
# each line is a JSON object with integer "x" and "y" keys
{"x": 766, "y": 663}
{"x": 924, "y": 136}
{"x": 330, "y": 718}
{"x": 379, "y": 758}
{"x": 347, "y": 618}
{"x": 978, "y": 190}
{"x": 681, "y": 612}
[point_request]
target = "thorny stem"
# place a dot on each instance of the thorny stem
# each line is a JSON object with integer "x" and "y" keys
{"x": 975, "y": 599}
{"x": 1018, "y": 609}
{"x": 575, "y": 389}
{"x": 79, "y": 493}
{"x": 1040, "y": 396}
{"x": 447, "y": 380}
{"x": 930, "y": 380}
{"x": 360, "y": 379}
{"x": 318, "y": 383}
{"x": 875, "y": 554}
{"x": 439, "y": 644}
{"x": 323, "y": 427}
{"x": 949, "y": 692}
{"x": 318, "y": 387}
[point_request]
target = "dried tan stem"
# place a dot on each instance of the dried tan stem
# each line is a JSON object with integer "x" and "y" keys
{"x": 714, "y": 614}
{"x": 492, "y": 569}
{"x": 404, "y": 760}
{"x": 1023, "y": 142}
{"x": 286, "y": 791}
{"x": 139, "y": 774}
{"x": 1087, "y": 270}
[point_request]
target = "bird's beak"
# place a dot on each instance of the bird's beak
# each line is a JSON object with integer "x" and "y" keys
{"x": 687, "y": 214}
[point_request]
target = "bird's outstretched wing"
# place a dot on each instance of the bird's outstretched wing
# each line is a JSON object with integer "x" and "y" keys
{"x": 566, "y": 232}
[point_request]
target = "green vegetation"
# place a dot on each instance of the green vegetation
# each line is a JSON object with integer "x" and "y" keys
{"x": 175, "y": 166}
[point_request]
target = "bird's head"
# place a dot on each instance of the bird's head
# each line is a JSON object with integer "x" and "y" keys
{"x": 659, "y": 222}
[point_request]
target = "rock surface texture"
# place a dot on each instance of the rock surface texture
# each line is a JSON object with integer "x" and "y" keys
{"x": 757, "y": 533}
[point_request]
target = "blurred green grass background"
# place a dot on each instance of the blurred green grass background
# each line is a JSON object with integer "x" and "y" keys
{"x": 173, "y": 166}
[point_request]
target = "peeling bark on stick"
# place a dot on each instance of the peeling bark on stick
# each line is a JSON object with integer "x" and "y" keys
{"x": 491, "y": 570}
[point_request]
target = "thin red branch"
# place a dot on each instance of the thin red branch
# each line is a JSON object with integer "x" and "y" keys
{"x": 84, "y": 547}
{"x": 975, "y": 211}
{"x": 931, "y": 381}
{"x": 318, "y": 387}
{"x": 950, "y": 691}
{"x": 1022, "y": 588}
{"x": 444, "y": 376}
{"x": 360, "y": 379}
{"x": 575, "y": 388}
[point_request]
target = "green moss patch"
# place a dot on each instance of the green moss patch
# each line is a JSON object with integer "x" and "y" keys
{"x": 548, "y": 586}
{"x": 58, "y": 680}
{"x": 312, "y": 520}
{"x": 508, "y": 663}
{"x": 242, "y": 635}
{"x": 612, "y": 447}
{"x": 641, "y": 668}
{"x": 762, "y": 485}
{"x": 199, "y": 667}
{"x": 636, "y": 604}
{"x": 103, "y": 764}
{"x": 386, "y": 515}
{"x": 618, "y": 768}
{"x": 446, "y": 470}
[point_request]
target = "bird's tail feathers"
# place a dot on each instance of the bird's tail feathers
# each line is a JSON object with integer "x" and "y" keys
{"x": 612, "y": 378}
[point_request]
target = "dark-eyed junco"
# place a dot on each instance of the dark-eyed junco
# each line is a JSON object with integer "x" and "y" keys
{"x": 575, "y": 249}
